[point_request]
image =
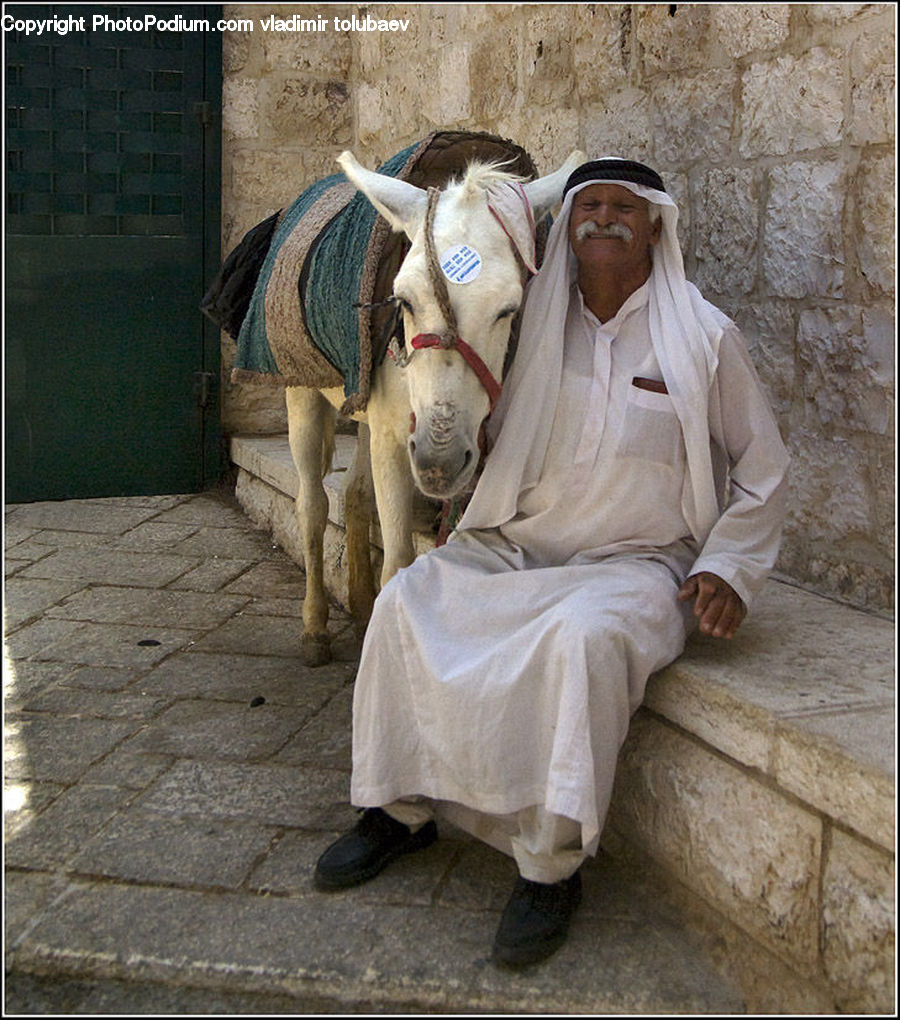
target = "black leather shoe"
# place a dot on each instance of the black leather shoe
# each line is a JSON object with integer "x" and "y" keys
{"x": 367, "y": 849}
{"x": 536, "y": 921}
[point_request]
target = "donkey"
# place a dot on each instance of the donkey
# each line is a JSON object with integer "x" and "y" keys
{"x": 426, "y": 406}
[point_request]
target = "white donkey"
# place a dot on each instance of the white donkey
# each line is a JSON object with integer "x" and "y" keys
{"x": 425, "y": 408}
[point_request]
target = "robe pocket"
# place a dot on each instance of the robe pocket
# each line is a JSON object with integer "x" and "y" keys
{"x": 651, "y": 430}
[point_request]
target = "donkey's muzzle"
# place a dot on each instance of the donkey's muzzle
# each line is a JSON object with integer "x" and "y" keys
{"x": 443, "y": 458}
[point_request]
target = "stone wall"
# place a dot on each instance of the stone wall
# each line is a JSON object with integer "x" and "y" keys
{"x": 772, "y": 125}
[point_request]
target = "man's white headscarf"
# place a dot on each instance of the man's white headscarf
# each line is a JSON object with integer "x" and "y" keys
{"x": 685, "y": 331}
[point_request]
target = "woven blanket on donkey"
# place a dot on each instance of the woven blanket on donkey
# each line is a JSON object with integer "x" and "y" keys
{"x": 303, "y": 284}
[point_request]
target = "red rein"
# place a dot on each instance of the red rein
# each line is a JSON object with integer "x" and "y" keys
{"x": 423, "y": 340}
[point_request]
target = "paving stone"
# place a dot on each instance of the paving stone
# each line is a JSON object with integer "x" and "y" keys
{"x": 327, "y": 739}
{"x": 111, "y": 567}
{"x": 75, "y": 702}
{"x": 99, "y": 644}
{"x": 275, "y": 579}
{"x": 154, "y": 536}
{"x": 211, "y": 575}
{"x": 135, "y": 770}
{"x": 151, "y": 502}
{"x": 91, "y": 516}
{"x": 141, "y": 606}
{"x": 60, "y": 749}
{"x": 207, "y": 511}
{"x": 47, "y": 540}
{"x": 60, "y": 831}
{"x": 230, "y": 543}
{"x": 220, "y": 729}
{"x": 270, "y": 794}
{"x": 26, "y": 598}
{"x": 12, "y": 567}
{"x": 24, "y": 800}
{"x": 33, "y": 640}
{"x": 29, "y": 795}
{"x": 14, "y": 533}
{"x": 482, "y": 878}
{"x": 30, "y": 993}
{"x": 255, "y": 635}
{"x": 105, "y": 678}
{"x": 22, "y": 679}
{"x": 289, "y": 866}
{"x": 173, "y": 851}
{"x": 26, "y": 895}
{"x": 346, "y": 642}
{"x": 275, "y": 607}
{"x": 241, "y": 678}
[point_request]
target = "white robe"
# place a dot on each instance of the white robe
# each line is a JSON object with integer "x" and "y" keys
{"x": 499, "y": 672}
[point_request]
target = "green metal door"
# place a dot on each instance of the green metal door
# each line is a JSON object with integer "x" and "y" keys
{"x": 113, "y": 155}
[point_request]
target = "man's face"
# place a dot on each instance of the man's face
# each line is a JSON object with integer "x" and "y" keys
{"x": 609, "y": 226}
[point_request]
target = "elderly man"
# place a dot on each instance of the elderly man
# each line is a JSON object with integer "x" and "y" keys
{"x": 635, "y": 488}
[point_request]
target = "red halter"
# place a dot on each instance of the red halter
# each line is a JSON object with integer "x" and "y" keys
{"x": 423, "y": 340}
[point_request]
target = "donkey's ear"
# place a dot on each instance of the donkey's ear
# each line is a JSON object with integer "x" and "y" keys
{"x": 400, "y": 203}
{"x": 545, "y": 192}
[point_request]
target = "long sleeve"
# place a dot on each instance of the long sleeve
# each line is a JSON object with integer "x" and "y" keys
{"x": 743, "y": 544}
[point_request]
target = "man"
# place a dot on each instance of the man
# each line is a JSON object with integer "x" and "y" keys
{"x": 499, "y": 672}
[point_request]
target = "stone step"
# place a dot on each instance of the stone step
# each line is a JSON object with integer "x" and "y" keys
{"x": 367, "y": 950}
{"x": 759, "y": 773}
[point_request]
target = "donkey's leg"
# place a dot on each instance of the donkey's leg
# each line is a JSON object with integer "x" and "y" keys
{"x": 394, "y": 488}
{"x": 310, "y": 432}
{"x": 359, "y": 504}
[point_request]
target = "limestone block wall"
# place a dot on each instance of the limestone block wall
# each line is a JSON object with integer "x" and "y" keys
{"x": 772, "y": 124}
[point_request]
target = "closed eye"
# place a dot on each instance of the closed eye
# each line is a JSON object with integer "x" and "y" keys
{"x": 404, "y": 304}
{"x": 511, "y": 310}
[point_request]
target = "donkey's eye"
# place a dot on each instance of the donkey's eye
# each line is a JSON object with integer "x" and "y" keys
{"x": 505, "y": 314}
{"x": 404, "y": 304}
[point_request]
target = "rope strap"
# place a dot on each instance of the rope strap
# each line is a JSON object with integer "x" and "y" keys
{"x": 438, "y": 283}
{"x": 450, "y": 339}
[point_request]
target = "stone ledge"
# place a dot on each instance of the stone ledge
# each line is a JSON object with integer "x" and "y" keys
{"x": 268, "y": 458}
{"x": 760, "y": 772}
{"x": 804, "y": 694}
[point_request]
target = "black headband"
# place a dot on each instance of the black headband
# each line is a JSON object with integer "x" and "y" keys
{"x": 600, "y": 170}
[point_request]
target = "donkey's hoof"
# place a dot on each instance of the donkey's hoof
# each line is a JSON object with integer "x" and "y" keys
{"x": 315, "y": 649}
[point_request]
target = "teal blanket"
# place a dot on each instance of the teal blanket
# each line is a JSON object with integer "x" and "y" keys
{"x": 331, "y": 281}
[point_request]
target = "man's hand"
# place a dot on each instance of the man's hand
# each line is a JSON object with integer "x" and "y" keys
{"x": 719, "y": 608}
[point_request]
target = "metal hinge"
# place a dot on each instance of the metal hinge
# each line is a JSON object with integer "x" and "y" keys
{"x": 203, "y": 382}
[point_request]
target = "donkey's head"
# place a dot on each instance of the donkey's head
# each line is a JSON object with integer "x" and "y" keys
{"x": 459, "y": 287}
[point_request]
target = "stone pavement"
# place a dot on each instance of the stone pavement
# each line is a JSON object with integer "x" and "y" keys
{"x": 173, "y": 771}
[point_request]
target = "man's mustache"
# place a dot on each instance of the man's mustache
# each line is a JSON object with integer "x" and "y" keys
{"x": 616, "y": 231}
